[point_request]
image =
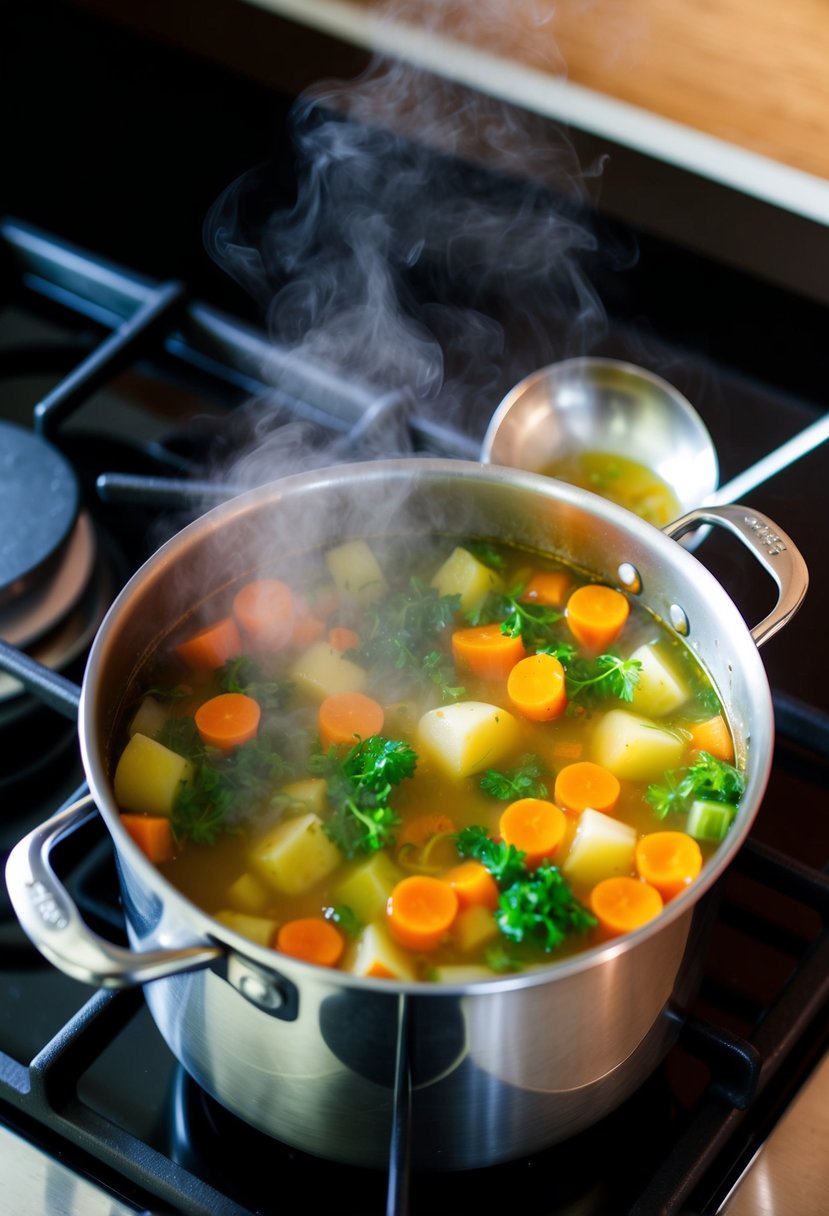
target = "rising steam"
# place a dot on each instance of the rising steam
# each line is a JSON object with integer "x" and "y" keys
{"x": 418, "y": 211}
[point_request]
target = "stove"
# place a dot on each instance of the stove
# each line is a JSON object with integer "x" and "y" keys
{"x": 141, "y": 385}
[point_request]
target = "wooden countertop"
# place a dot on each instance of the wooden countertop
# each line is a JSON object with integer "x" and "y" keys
{"x": 732, "y": 89}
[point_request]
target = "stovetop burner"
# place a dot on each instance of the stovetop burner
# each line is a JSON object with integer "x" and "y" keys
{"x": 39, "y": 502}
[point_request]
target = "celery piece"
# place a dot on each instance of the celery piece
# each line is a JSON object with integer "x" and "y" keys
{"x": 708, "y": 820}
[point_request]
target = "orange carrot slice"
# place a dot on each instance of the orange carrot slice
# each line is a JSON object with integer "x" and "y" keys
{"x": 153, "y": 834}
{"x": 548, "y": 587}
{"x": 535, "y": 685}
{"x": 210, "y": 648}
{"x": 228, "y": 720}
{"x": 420, "y": 911}
{"x": 343, "y": 639}
{"x": 596, "y": 615}
{"x": 264, "y": 610}
{"x": 473, "y": 884}
{"x": 312, "y": 939}
{"x": 585, "y": 784}
{"x": 347, "y": 717}
{"x": 714, "y": 737}
{"x": 669, "y": 861}
{"x": 535, "y": 826}
{"x": 621, "y": 904}
{"x": 484, "y": 651}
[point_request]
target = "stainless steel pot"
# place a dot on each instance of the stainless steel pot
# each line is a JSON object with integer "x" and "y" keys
{"x": 498, "y": 1068}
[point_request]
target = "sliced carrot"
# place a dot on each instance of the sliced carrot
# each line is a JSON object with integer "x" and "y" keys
{"x": 347, "y": 717}
{"x": 424, "y": 828}
{"x": 669, "y": 861}
{"x": 210, "y": 648}
{"x": 228, "y": 720}
{"x": 473, "y": 884}
{"x": 535, "y": 685}
{"x": 621, "y": 904}
{"x": 264, "y": 610}
{"x": 714, "y": 737}
{"x": 535, "y": 826}
{"x": 484, "y": 651}
{"x": 343, "y": 639}
{"x": 596, "y": 615}
{"x": 313, "y": 939}
{"x": 153, "y": 834}
{"x": 420, "y": 911}
{"x": 548, "y": 587}
{"x": 585, "y": 784}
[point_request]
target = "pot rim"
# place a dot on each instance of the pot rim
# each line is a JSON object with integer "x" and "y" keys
{"x": 205, "y": 926}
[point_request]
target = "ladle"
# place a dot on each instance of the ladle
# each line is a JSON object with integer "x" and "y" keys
{"x": 606, "y": 405}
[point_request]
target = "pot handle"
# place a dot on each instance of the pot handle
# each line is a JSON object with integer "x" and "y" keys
{"x": 50, "y": 918}
{"x": 774, "y": 550}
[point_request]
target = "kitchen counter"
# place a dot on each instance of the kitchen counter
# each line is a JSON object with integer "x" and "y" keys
{"x": 723, "y": 105}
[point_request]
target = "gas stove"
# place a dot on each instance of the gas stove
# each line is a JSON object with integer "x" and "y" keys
{"x": 143, "y": 388}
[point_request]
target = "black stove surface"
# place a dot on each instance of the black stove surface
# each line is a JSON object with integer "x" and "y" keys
{"x": 84, "y": 1074}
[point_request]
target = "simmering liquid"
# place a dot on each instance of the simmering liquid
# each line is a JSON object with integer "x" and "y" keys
{"x": 426, "y": 762}
{"x": 622, "y": 480}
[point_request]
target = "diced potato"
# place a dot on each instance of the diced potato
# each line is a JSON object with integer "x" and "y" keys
{"x": 462, "y": 574}
{"x": 295, "y": 855}
{"x": 248, "y": 894}
{"x": 473, "y": 927}
{"x": 602, "y": 847}
{"x": 460, "y": 973}
{"x": 356, "y": 573}
{"x": 635, "y": 748}
{"x": 322, "y": 671}
{"x": 148, "y": 776}
{"x": 467, "y": 737}
{"x": 261, "y": 929}
{"x": 310, "y": 793}
{"x": 149, "y": 718}
{"x": 366, "y": 890}
{"x": 660, "y": 690}
{"x": 375, "y": 954}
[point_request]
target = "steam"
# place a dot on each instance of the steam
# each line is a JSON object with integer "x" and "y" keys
{"x": 418, "y": 211}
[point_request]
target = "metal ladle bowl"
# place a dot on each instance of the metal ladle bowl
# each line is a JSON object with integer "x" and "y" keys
{"x": 605, "y": 405}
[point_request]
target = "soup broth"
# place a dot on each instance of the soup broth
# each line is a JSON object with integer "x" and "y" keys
{"x": 434, "y": 763}
{"x": 627, "y": 482}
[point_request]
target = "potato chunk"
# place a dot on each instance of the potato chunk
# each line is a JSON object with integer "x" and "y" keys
{"x": 660, "y": 690}
{"x": 367, "y": 889}
{"x": 473, "y": 927}
{"x": 308, "y": 793}
{"x": 375, "y": 954}
{"x": 295, "y": 855}
{"x": 602, "y": 847}
{"x": 462, "y": 574}
{"x": 261, "y": 929}
{"x": 467, "y": 737}
{"x": 247, "y": 894}
{"x": 149, "y": 718}
{"x": 148, "y": 776}
{"x": 322, "y": 671}
{"x": 634, "y": 747}
{"x": 356, "y": 572}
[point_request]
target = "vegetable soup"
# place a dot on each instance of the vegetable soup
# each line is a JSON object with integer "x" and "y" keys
{"x": 439, "y": 762}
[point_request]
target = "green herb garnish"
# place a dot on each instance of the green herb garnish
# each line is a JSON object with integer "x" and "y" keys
{"x": 588, "y": 680}
{"x": 542, "y": 908}
{"x": 225, "y": 789}
{"x": 359, "y": 788}
{"x": 708, "y": 779}
{"x": 401, "y": 632}
{"x": 504, "y": 862}
{"x": 533, "y": 623}
{"x": 522, "y": 782}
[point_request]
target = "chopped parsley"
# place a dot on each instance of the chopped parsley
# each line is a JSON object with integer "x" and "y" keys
{"x": 521, "y": 782}
{"x": 708, "y": 779}
{"x": 359, "y": 787}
